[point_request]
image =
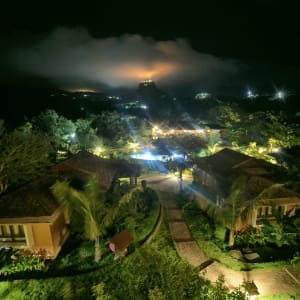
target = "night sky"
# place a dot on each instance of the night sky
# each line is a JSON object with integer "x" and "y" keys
{"x": 221, "y": 46}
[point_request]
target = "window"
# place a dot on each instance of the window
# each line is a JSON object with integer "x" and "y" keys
{"x": 269, "y": 210}
{"x": 12, "y": 233}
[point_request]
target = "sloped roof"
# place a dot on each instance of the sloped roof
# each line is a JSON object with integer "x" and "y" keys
{"x": 122, "y": 240}
{"x": 277, "y": 191}
{"x": 228, "y": 165}
{"x": 87, "y": 162}
{"x": 32, "y": 200}
{"x": 36, "y": 200}
{"x": 222, "y": 162}
{"x": 228, "y": 162}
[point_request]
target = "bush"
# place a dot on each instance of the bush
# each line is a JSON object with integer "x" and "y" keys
{"x": 199, "y": 222}
{"x": 23, "y": 263}
{"x": 5, "y": 256}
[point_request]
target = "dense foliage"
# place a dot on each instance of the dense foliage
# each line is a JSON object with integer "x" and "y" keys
{"x": 23, "y": 156}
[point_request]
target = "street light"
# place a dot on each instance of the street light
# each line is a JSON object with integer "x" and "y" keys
{"x": 251, "y": 290}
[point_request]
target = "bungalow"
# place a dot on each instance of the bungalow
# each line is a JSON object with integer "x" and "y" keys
{"x": 30, "y": 217}
{"x": 106, "y": 170}
{"x": 215, "y": 175}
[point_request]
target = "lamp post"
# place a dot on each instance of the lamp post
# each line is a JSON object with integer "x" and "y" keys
{"x": 251, "y": 290}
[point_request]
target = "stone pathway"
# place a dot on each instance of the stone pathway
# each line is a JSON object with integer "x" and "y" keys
{"x": 269, "y": 282}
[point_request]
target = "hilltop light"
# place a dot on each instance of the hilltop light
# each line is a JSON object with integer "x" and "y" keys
{"x": 280, "y": 95}
{"x": 249, "y": 94}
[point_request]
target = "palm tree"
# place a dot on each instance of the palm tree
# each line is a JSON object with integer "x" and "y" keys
{"x": 91, "y": 205}
{"x": 234, "y": 208}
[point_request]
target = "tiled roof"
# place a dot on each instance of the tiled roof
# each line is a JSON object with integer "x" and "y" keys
{"x": 255, "y": 185}
{"x": 277, "y": 191}
{"x": 222, "y": 162}
{"x": 228, "y": 165}
{"x": 228, "y": 162}
{"x": 32, "y": 200}
{"x": 87, "y": 162}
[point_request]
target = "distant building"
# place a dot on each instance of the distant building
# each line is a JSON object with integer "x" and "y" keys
{"x": 149, "y": 95}
{"x": 165, "y": 130}
{"x": 202, "y": 95}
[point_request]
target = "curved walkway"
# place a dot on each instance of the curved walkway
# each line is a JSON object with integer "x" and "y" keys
{"x": 269, "y": 282}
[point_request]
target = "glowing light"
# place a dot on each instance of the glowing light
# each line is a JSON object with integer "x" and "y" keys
{"x": 81, "y": 90}
{"x": 261, "y": 150}
{"x": 176, "y": 155}
{"x": 139, "y": 72}
{"x": 202, "y": 95}
{"x": 72, "y": 135}
{"x": 249, "y": 94}
{"x": 97, "y": 151}
{"x": 276, "y": 149}
{"x": 144, "y": 156}
{"x": 280, "y": 95}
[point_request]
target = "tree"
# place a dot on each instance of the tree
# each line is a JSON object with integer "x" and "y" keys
{"x": 144, "y": 199}
{"x": 56, "y": 126}
{"x": 90, "y": 205}
{"x": 112, "y": 128}
{"x": 23, "y": 155}
{"x": 233, "y": 208}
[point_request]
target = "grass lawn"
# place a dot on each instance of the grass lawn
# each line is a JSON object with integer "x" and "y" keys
{"x": 131, "y": 278}
{"x": 208, "y": 236}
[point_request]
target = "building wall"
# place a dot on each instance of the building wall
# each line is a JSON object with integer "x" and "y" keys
{"x": 42, "y": 238}
{"x": 59, "y": 233}
{"x": 37, "y": 237}
{"x": 50, "y": 236}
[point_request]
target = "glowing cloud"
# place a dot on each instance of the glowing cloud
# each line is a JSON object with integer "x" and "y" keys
{"x": 73, "y": 56}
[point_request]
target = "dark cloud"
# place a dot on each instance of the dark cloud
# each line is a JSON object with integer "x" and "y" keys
{"x": 72, "y": 57}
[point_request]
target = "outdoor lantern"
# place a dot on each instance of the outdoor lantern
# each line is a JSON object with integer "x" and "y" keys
{"x": 251, "y": 290}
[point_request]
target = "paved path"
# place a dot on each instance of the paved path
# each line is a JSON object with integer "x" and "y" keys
{"x": 269, "y": 282}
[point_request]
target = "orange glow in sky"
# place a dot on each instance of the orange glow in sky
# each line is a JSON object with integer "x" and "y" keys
{"x": 140, "y": 72}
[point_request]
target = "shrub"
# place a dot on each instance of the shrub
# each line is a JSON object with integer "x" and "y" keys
{"x": 23, "y": 263}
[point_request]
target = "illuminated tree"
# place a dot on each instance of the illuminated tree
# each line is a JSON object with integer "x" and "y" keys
{"x": 228, "y": 116}
{"x": 58, "y": 127}
{"x": 112, "y": 128}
